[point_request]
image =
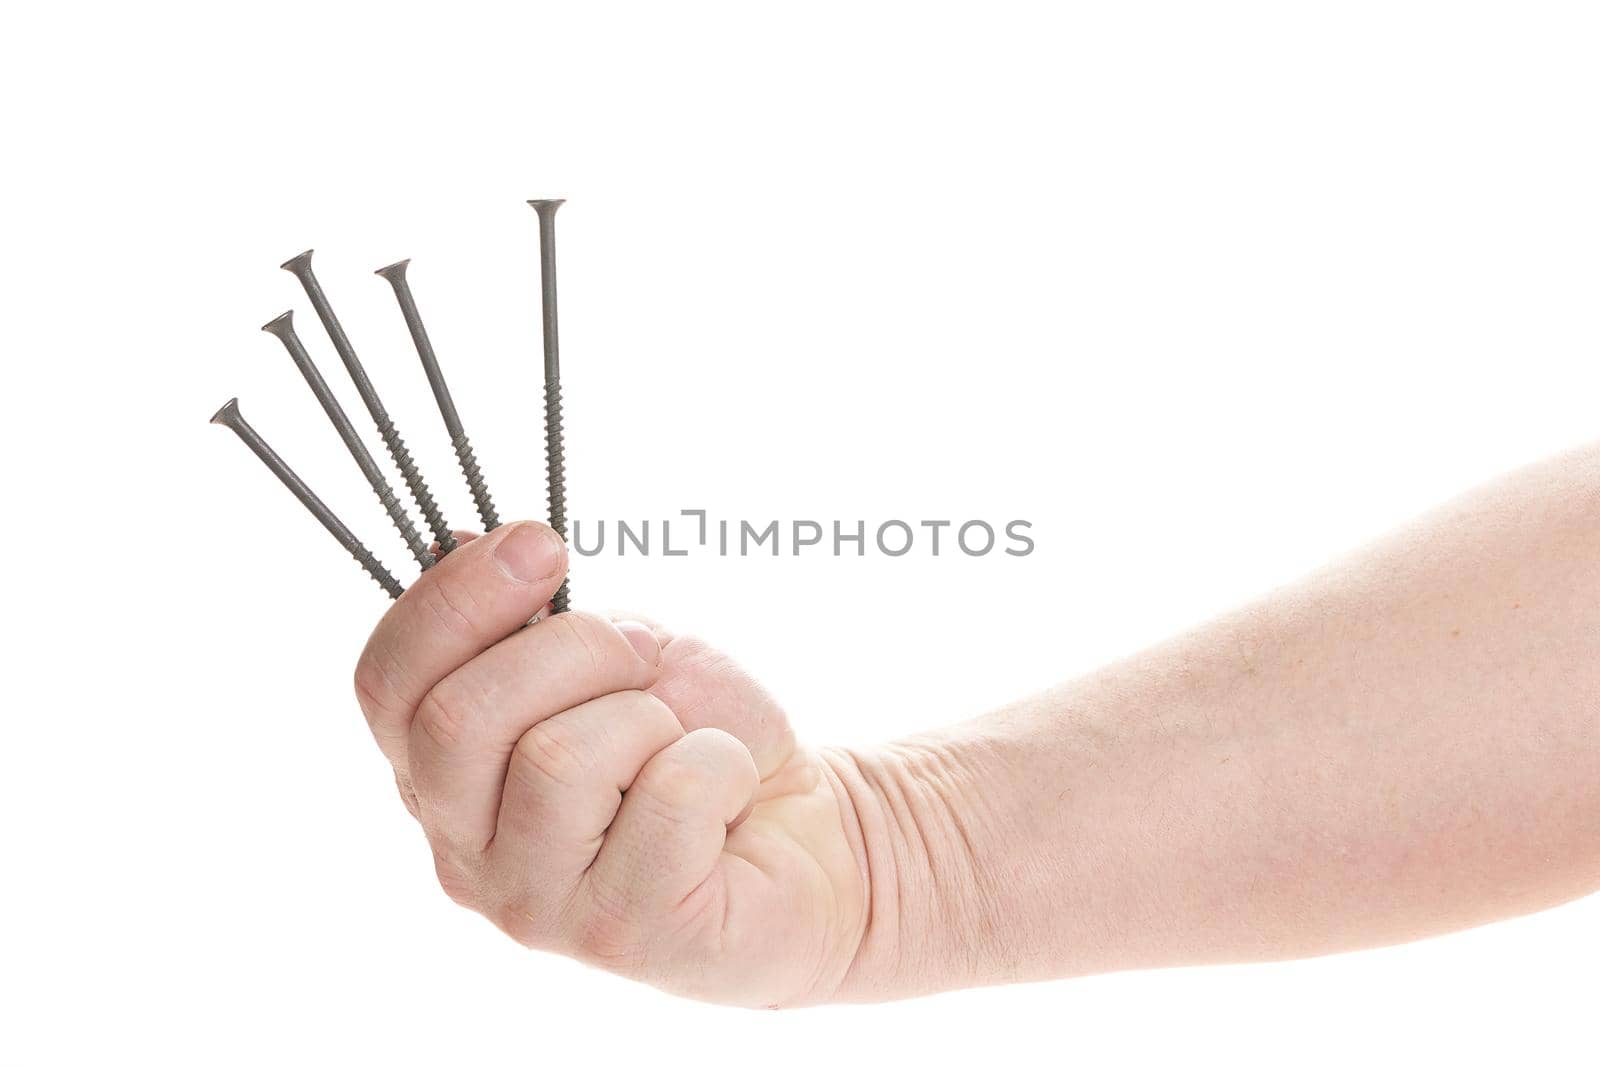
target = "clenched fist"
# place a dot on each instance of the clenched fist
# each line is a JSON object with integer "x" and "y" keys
{"x": 609, "y": 791}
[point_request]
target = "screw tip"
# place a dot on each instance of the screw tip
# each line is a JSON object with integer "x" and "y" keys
{"x": 394, "y": 271}
{"x": 281, "y": 325}
{"x": 227, "y": 414}
{"x": 298, "y": 263}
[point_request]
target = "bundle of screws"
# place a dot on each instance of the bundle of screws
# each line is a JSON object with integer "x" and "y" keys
{"x": 282, "y": 327}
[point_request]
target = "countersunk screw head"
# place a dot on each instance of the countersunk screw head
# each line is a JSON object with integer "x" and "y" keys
{"x": 227, "y": 414}
{"x": 395, "y": 271}
{"x": 299, "y": 264}
{"x": 282, "y": 326}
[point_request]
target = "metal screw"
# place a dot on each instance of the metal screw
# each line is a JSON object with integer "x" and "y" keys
{"x": 395, "y": 275}
{"x": 555, "y": 460}
{"x": 282, "y": 328}
{"x": 230, "y": 417}
{"x": 300, "y": 267}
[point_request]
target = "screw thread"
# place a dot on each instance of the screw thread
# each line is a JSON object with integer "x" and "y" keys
{"x": 415, "y": 483}
{"x": 555, "y": 475}
{"x": 402, "y": 522}
{"x": 480, "y": 492}
{"x": 379, "y": 573}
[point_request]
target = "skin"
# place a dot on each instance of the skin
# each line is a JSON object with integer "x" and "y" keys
{"x": 1403, "y": 744}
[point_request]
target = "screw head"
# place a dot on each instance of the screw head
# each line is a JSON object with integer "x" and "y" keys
{"x": 282, "y": 325}
{"x": 227, "y": 414}
{"x": 299, "y": 264}
{"x": 393, "y": 272}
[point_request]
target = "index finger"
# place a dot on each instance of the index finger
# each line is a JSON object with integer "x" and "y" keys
{"x": 478, "y": 594}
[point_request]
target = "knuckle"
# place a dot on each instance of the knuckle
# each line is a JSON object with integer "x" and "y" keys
{"x": 605, "y": 936}
{"x": 642, "y": 702}
{"x": 683, "y": 776}
{"x": 669, "y": 794}
{"x": 673, "y": 783}
{"x": 520, "y": 924}
{"x": 690, "y": 644}
{"x": 376, "y": 681}
{"x": 653, "y": 712}
{"x": 543, "y": 756}
{"x": 698, "y": 677}
{"x": 582, "y": 639}
{"x": 693, "y": 653}
{"x": 529, "y": 922}
{"x": 445, "y": 714}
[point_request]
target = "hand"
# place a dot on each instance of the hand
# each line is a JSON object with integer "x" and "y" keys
{"x": 609, "y": 791}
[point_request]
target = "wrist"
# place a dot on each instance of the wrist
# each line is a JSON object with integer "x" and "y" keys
{"x": 932, "y": 822}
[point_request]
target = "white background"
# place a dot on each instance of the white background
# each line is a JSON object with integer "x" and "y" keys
{"x": 1209, "y": 293}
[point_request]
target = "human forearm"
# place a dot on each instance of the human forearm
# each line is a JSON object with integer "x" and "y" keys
{"x": 1403, "y": 744}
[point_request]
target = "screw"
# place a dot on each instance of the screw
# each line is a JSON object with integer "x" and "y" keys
{"x": 228, "y": 415}
{"x": 395, "y": 275}
{"x": 554, "y": 458}
{"x": 282, "y": 328}
{"x": 300, "y": 267}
